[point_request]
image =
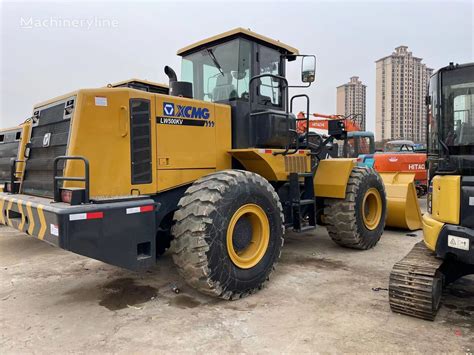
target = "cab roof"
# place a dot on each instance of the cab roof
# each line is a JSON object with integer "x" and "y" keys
{"x": 452, "y": 66}
{"x": 236, "y": 32}
{"x": 401, "y": 142}
{"x": 360, "y": 134}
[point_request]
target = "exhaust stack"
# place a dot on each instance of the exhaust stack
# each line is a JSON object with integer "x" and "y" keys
{"x": 178, "y": 88}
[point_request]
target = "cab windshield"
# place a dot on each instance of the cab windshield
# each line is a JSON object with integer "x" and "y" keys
{"x": 453, "y": 123}
{"x": 220, "y": 73}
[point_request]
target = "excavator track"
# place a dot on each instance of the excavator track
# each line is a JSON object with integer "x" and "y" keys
{"x": 416, "y": 284}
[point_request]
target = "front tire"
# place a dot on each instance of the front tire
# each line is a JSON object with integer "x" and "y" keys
{"x": 228, "y": 233}
{"x": 358, "y": 220}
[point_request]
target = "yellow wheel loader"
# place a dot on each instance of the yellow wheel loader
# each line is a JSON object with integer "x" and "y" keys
{"x": 212, "y": 165}
{"x": 447, "y": 250}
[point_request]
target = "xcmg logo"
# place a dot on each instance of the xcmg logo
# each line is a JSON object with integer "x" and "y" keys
{"x": 169, "y": 109}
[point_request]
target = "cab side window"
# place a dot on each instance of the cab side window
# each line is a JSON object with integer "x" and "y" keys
{"x": 270, "y": 89}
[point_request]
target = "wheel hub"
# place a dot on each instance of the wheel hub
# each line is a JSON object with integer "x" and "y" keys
{"x": 242, "y": 235}
{"x": 248, "y": 236}
{"x": 372, "y": 208}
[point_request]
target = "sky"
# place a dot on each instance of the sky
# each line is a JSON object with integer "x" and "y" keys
{"x": 41, "y": 58}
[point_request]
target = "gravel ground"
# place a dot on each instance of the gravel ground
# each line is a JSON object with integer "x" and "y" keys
{"x": 322, "y": 298}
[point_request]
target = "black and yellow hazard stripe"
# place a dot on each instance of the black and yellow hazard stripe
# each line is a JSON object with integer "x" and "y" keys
{"x": 29, "y": 219}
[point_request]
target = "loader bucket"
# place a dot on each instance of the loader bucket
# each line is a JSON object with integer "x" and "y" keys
{"x": 403, "y": 210}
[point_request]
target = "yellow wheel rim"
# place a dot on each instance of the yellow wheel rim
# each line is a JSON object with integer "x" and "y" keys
{"x": 256, "y": 239}
{"x": 372, "y": 208}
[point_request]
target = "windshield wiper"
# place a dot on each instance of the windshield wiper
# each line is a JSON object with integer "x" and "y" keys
{"x": 445, "y": 165}
{"x": 216, "y": 63}
{"x": 445, "y": 147}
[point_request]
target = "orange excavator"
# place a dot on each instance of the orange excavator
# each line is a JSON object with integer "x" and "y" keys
{"x": 402, "y": 156}
{"x": 320, "y": 125}
{"x": 398, "y": 156}
{"x": 357, "y": 142}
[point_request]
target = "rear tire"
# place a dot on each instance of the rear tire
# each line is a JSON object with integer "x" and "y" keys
{"x": 228, "y": 233}
{"x": 358, "y": 220}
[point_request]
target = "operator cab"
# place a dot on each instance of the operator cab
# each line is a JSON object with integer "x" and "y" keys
{"x": 246, "y": 71}
{"x": 220, "y": 68}
{"x": 451, "y": 119}
{"x": 357, "y": 143}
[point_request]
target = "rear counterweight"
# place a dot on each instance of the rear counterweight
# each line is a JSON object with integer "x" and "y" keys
{"x": 119, "y": 233}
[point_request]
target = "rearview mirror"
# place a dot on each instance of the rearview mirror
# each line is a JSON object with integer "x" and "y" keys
{"x": 308, "y": 69}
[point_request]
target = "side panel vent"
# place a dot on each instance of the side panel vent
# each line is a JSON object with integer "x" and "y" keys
{"x": 295, "y": 164}
{"x": 140, "y": 141}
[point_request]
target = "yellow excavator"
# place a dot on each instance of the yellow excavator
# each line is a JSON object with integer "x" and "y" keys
{"x": 212, "y": 165}
{"x": 447, "y": 250}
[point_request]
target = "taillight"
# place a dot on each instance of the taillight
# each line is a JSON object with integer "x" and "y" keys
{"x": 73, "y": 196}
{"x": 66, "y": 196}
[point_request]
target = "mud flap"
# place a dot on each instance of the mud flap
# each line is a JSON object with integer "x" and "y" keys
{"x": 403, "y": 210}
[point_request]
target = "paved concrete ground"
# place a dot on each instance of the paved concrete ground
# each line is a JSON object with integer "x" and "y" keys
{"x": 321, "y": 299}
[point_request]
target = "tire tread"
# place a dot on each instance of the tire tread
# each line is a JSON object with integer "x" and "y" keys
{"x": 340, "y": 214}
{"x": 192, "y": 221}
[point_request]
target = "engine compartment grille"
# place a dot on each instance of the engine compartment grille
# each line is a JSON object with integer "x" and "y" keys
{"x": 49, "y": 139}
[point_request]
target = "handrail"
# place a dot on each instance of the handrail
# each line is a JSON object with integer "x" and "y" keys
{"x": 285, "y": 82}
{"x": 288, "y": 104}
{"x": 268, "y": 75}
{"x": 13, "y": 174}
{"x": 85, "y": 179}
{"x": 306, "y": 135}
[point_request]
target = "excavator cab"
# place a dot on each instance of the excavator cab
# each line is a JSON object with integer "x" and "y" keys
{"x": 447, "y": 250}
{"x": 358, "y": 143}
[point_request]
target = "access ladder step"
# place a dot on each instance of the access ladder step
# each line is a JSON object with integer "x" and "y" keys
{"x": 304, "y": 229}
{"x": 304, "y": 202}
{"x": 305, "y": 174}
